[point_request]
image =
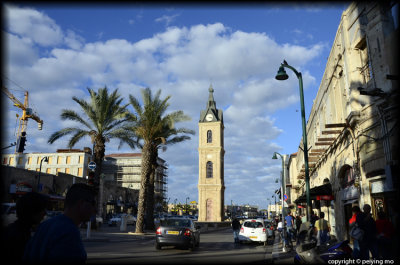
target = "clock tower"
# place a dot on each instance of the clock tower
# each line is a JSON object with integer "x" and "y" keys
{"x": 211, "y": 163}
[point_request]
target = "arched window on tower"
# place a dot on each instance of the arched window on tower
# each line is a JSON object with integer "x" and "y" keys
{"x": 209, "y": 169}
{"x": 347, "y": 177}
{"x": 209, "y": 136}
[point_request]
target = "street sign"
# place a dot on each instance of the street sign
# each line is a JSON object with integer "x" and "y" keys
{"x": 285, "y": 197}
{"x": 92, "y": 165}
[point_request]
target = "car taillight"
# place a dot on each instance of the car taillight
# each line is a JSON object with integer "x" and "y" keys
{"x": 187, "y": 232}
{"x": 242, "y": 230}
{"x": 264, "y": 230}
{"x": 158, "y": 231}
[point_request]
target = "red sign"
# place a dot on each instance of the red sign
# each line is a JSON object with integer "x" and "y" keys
{"x": 325, "y": 197}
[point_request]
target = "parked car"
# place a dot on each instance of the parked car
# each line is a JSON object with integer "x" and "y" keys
{"x": 178, "y": 232}
{"x": 253, "y": 230}
{"x": 8, "y": 212}
{"x": 116, "y": 219}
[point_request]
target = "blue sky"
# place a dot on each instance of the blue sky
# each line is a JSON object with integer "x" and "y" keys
{"x": 56, "y": 51}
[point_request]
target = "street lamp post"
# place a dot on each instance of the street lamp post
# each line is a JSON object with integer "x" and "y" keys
{"x": 281, "y": 75}
{"x": 46, "y": 159}
{"x": 186, "y": 205}
{"x": 282, "y": 181}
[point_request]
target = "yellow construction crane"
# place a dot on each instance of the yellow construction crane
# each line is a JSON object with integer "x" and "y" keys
{"x": 27, "y": 113}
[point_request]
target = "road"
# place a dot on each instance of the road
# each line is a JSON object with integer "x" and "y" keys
{"x": 215, "y": 247}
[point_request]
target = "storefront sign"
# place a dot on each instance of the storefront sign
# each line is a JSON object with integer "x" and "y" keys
{"x": 325, "y": 197}
{"x": 349, "y": 193}
{"x": 22, "y": 188}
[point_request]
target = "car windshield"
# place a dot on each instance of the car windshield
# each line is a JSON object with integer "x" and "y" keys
{"x": 253, "y": 224}
{"x": 175, "y": 222}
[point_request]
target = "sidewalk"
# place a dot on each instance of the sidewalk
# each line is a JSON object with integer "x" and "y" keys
{"x": 113, "y": 233}
{"x": 278, "y": 256}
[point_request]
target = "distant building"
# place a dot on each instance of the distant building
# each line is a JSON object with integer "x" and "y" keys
{"x": 70, "y": 161}
{"x": 125, "y": 169}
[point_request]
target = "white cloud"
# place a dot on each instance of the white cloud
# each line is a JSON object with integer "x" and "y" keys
{"x": 34, "y": 25}
{"x": 181, "y": 62}
{"x": 167, "y": 19}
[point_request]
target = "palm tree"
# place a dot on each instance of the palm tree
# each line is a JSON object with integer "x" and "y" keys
{"x": 104, "y": 119}
{"x": 155, "y": 130}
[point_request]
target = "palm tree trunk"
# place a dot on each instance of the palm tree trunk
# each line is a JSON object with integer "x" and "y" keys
{"x": 150, "y": 190}
{"x": 99, "y": 151}
{"x": 145, "y": 176}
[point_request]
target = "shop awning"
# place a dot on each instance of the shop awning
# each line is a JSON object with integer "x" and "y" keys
{"x": 323, "y": 190}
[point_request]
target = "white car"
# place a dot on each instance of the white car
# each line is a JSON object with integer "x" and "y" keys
{"x": 253, "y": 230}
{"x": 116, "y": 219}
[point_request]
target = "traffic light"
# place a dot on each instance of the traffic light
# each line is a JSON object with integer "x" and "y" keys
{"x": 91, "y": 178}
{"x": 21, "y": 142}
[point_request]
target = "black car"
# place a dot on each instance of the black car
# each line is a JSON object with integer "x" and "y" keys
{"x": 179, "y": 232}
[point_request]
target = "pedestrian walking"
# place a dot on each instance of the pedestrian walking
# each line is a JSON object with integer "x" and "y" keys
{"x": 386, "y": 232}
{"x": 58, "y": 240}
{"x": 369, "y": 241}
{"x": 322, "y": 229}
{"x": 289, "y": 220}
{"x": 236, "y": 229}
{"x": 314, "y": 218}
{"x": 298, "y": 224}
{"x": 353, "y": 225}
{"x": 30, "y": 209}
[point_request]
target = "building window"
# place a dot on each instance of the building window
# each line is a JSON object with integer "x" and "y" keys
{"x": 59, "y": 160}
{"x": 38, "y": 160}
{"x": 58, "y": 170}
{"x": 348, "y": 177}
{"x": 5, "y": 161}
{"x": 50, "y": 160}
{"x": 365, "y": 69}
{"x": 80, "y": 159}
{"x": 67, "y": 170}
{"x": 209, "y": 170}
{"x": 19, "y": 160}
{"x": 11, "y": 161}
{"x": 209, "y": 136}
{"x": 29, "y": 160}
{"x": 48, "y": 170}
{"x": 68, "y": 159}
{"x": 80, "y": 172}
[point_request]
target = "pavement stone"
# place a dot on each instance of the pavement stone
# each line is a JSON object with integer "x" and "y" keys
{"x": 279, "y": 256}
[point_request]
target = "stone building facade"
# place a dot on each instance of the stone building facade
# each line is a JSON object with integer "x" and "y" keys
{"x": 352, "y": 128}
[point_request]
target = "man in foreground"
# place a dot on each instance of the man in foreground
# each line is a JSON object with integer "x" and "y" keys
{"x": 58, "y": 240}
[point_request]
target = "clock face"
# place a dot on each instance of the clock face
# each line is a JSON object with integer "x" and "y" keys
{"x": 209, "y": 117}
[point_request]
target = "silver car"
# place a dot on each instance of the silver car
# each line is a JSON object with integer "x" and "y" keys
{"x": 180, "y": 232}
